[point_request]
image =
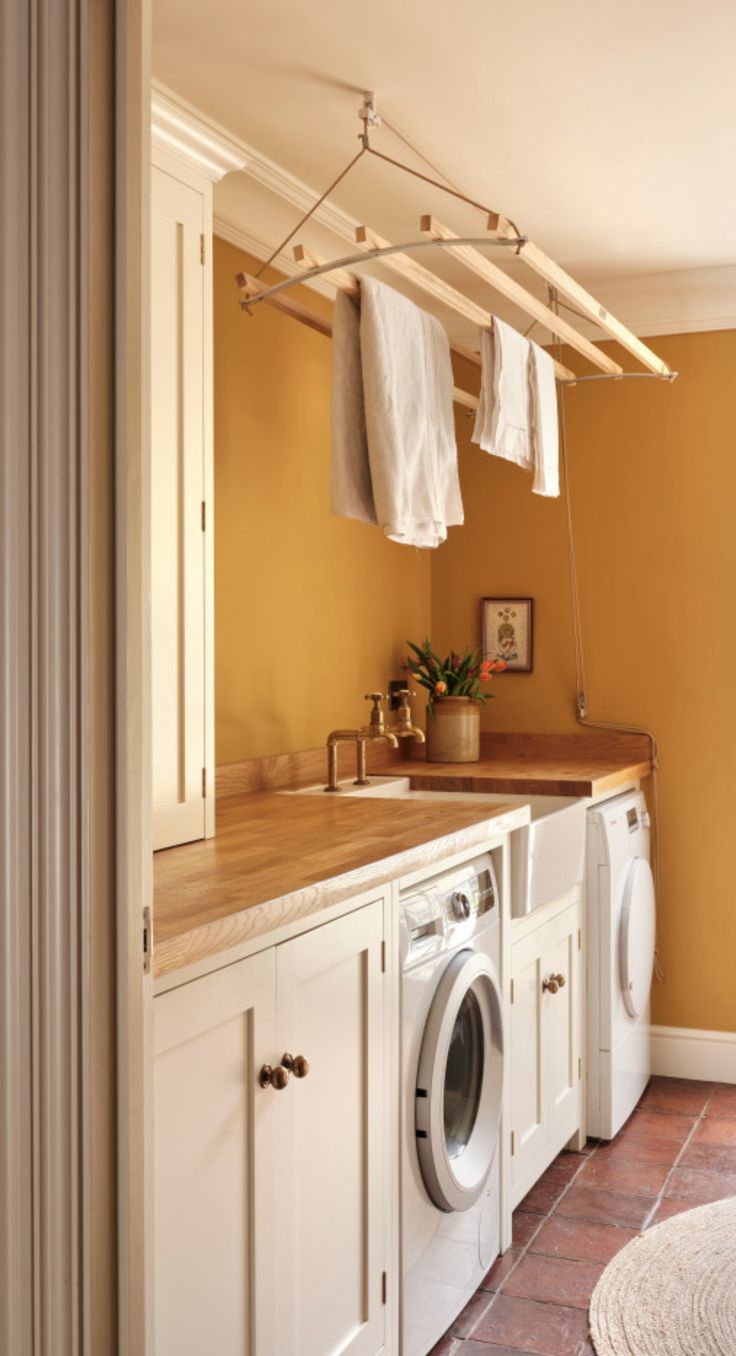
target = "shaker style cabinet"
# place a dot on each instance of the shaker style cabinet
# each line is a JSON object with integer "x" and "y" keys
{"x": 272, "y": 1144}
{"x": 546, "y": 1011}
{"x": 181, "y": 470}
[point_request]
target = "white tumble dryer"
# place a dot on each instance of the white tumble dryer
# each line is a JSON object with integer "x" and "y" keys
{"x": 451, "y": 1091}
{"x": 621, "y": 927}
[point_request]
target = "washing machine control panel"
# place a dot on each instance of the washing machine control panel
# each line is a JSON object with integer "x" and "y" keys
{"x": 447, "y": 909}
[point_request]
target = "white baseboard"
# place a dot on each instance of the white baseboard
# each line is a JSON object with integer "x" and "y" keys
{"x": 684, "y": 1052}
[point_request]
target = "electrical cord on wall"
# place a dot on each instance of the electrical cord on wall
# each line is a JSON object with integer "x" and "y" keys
{"x": 581, "y": 700}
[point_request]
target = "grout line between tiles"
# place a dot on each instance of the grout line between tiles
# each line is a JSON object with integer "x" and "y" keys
{"x": 695, "y": 1125}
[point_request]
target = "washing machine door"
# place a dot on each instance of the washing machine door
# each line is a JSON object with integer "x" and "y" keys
{"x": 459, "y": 1083}
{"x": 637, "y": 938}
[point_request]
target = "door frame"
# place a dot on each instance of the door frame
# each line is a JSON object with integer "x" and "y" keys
{"x": 133, "y": 705}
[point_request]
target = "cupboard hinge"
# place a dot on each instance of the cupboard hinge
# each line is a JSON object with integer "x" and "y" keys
{"x": 383, "y": 958}
{"x": 201, "y": 249}
{"x": 204, "y": 515}
{"x": 384, "y": 1287}
{"x": 580, "y": 1066}
{"x": 580, "y": 939}
{"x": 512, "y": 991}
{"x": 513, "y": 1143}
{"x": 147, "y": 940}
{"x": 204, "y": 783}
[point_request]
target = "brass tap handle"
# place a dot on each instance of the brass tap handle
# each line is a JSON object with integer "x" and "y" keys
{"x": 274, "y": 1078}
{"x": 376, "y": 720}
{"x": 296, "y": 1064}
{"x": 550, "y": 985}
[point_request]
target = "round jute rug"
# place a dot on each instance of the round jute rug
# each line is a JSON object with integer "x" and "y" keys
{"x": 671, "y": 1292}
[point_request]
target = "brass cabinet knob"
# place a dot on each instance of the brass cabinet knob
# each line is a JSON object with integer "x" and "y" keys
{"x": 296, "y": 1064}
{"x": 560, "y": 981}
{"x": 274, "y": 1078}
{"x": 550, "y": 984}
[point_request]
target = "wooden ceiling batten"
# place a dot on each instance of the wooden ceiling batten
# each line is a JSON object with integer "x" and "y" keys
{"x": 518, "y": 295}
{"x": 592, "y": 310}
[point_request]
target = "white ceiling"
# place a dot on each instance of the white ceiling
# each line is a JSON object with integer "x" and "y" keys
{"x": 606, "y": 131}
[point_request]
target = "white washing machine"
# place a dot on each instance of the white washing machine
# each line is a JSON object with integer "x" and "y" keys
{"x": 451, "y": 1086}
{"x": 621, "y": 926}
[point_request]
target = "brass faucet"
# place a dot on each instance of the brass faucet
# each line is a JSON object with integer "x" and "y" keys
{"x": 375, "y": 729}
{"x": 337, "y": 737}
{"x": 403, "y": 729}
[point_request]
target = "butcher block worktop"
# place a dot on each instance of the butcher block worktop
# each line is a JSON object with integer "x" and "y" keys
{"x": 278, "y": 857}
{"x": 537, "y": 764}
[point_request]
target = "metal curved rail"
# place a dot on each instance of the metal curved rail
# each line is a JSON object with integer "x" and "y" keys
{"x": 515, "y": 242}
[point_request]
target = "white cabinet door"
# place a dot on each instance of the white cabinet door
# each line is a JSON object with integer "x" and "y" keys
{"x": 331, "y": 1141}
{"x": 177, "y": 495}
{"x": 562, "y": 1027}
{"x": 546, "y": 1040}
{"x": 215, "y": 1201}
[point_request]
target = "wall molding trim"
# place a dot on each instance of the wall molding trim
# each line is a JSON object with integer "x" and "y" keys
{"x": 180, "y": 130}
{"x": 685, "y": 1052}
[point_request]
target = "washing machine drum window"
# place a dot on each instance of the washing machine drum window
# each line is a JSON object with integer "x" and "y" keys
{"x": 637, "y": 938}
{"x": 459, "y": 1083}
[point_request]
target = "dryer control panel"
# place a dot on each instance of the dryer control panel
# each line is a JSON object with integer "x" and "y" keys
{"x": 447, "y": 910}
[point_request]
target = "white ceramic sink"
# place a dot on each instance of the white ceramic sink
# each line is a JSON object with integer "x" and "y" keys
{"x": 547, "y": 855}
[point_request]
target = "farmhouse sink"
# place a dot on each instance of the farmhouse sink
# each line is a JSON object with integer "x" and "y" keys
{"x": 547, "y": 855}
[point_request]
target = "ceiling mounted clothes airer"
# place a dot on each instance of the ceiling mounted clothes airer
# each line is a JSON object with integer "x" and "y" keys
{"x": 500, "y": 233}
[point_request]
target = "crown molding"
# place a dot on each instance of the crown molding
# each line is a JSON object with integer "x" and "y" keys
{"x": 181, "y": 130}
{"x": 251, "y": 244}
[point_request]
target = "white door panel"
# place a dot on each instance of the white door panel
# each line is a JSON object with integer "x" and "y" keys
{"x": 177, "y": 494}
{"x": 330, "y": 1140}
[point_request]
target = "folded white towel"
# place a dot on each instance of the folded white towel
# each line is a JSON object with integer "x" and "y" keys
{"x": 517, "y": 410}
{"x": 351, "y": 492}
{"x": 406, "y": 420}
{"x": 543, "y": 386}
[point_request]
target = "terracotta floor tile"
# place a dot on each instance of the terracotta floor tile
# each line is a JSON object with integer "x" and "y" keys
{"x": 493, "y": 1280}
{"x": 586, "y": 1348}
{"x": 716, "y": 1131}
{"x": 580, "y": 1239}
{"x": 447, "y": 1346}
{"x": 524, "y": 1225}
{"x": 668, "y": 1207}
{"x": 604, "y": 1207}
{"x": 641, "y": 1148}
{"x": 620, "y": 1174}
{"x": 555, "y": 1280}
{"x": 676, "y": 1094}
{"x": 542, "y": 1197}
{"x": 709, "y": 1157}
{"x": 474, "y": 1309}
{"x": 699, "y": 1188}
{"x": 528, "y": 1326}
{"x": 723, "y": 1101}
{"x": 659, "y": 1125}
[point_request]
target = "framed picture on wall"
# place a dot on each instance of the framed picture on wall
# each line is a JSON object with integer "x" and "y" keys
{"x": 507, "y": 631}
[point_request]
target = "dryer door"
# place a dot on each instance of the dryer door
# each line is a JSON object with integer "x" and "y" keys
{"x": 637, "y": 937}
{"x": 459, "y": 1083}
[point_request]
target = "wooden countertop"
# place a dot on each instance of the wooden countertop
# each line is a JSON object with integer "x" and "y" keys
{"x": 278, "y": 857}
{"x": 536, "y": 764}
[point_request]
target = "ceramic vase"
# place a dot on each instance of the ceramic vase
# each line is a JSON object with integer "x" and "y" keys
{"x": 453, "y": 730}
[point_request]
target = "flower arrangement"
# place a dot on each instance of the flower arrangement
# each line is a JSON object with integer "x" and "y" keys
{"x": 459, "y": 675}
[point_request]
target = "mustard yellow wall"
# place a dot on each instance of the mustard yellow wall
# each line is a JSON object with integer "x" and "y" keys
{"x": 311, "y": 611}
{"x": 653, "y": 484}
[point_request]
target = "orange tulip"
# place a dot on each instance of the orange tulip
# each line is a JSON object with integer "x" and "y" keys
{"x": 440, "y": 688}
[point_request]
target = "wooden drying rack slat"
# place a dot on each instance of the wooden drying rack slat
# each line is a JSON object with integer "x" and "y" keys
{"x": 514, "y": 292}
{"x": 249, "y": 286}
{"x": 546, "y": 268}
{"x": 436, "y": 287}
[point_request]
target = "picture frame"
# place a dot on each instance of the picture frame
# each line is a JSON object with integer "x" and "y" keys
{"x": 507, "y": 632}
